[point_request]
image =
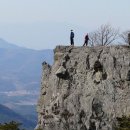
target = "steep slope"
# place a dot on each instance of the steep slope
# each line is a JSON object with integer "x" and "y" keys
{"x": 85, "y": 89}
{"x": 7, "y": 115}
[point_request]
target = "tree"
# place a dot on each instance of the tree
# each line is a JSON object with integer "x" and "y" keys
{"x": 104, "y": 36}
{"x": 124, "y": 36}
{"x": 92, "y": 38}
{"x": 10, "y": 126}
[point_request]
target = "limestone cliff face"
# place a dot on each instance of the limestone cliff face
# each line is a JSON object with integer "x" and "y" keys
{"x": 85, "y": 89}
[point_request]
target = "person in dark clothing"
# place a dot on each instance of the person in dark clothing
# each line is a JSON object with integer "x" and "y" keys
{"x": 129, "y": 38}
{"x": 86, "y": 40}
{"x": 72, "y": 37}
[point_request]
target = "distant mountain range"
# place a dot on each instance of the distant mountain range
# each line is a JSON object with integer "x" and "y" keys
{"x": 8, "y": 115}
{"x": 20, "y": 74}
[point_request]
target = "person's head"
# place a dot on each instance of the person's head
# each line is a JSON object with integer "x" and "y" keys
{"x": 71, "y": 30}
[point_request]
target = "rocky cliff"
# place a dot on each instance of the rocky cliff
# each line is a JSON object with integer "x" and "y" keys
{"x": 87, "y": 88}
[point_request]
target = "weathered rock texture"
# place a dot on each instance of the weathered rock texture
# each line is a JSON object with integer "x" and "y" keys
{"x": 85, "y": 89}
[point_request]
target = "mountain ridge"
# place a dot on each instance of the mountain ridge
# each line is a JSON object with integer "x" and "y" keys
{"x": 5, "y": 44}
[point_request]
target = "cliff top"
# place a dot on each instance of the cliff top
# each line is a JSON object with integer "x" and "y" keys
{"x": 63, "y": 49}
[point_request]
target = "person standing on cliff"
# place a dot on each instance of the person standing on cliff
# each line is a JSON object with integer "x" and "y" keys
{"x": 72, "y": 38}
{"x": 86, "y": 40}
{"x": 129, "y": 39}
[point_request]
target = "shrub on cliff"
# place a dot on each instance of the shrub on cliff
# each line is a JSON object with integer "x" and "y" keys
{"x": 123, "y": 123}
{"x": 10, "y": 126}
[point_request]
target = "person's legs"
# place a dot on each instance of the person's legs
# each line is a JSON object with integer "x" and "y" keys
{"x": 72, "y": 41}
{"x": 86, "y": 42}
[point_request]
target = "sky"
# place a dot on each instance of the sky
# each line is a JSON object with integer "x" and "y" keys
{"x": 43, "y": 24}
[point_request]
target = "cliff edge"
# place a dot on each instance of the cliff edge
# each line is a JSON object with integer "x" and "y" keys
{"x": 86, "y": 88}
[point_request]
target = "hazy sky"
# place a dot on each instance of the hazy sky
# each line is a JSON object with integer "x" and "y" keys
{"x": 42, "y": 24}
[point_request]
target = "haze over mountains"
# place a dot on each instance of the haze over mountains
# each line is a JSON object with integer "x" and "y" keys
{"x": 20, "y": 72}
{"x": 44, "y": 34}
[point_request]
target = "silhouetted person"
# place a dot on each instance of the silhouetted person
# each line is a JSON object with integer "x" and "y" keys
{"x": 129, "y": 38}
{"x": 72, "y": 37}
{"x": 86, "y": 40}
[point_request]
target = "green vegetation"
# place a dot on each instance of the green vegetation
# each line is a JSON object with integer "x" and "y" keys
{"x": 10, "y": 126}
{"x": 123, "y": 123}
{"x": 8, "y": 115}
{"x": 39, "y": 129}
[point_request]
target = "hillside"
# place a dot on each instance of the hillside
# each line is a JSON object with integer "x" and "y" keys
{"x": 7, "y": 115}
{"x": 87, "y": 88}
{"x": 20, "y": 72}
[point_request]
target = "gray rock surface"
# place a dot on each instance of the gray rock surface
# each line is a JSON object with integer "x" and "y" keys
{"x": 85, "y": 89}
